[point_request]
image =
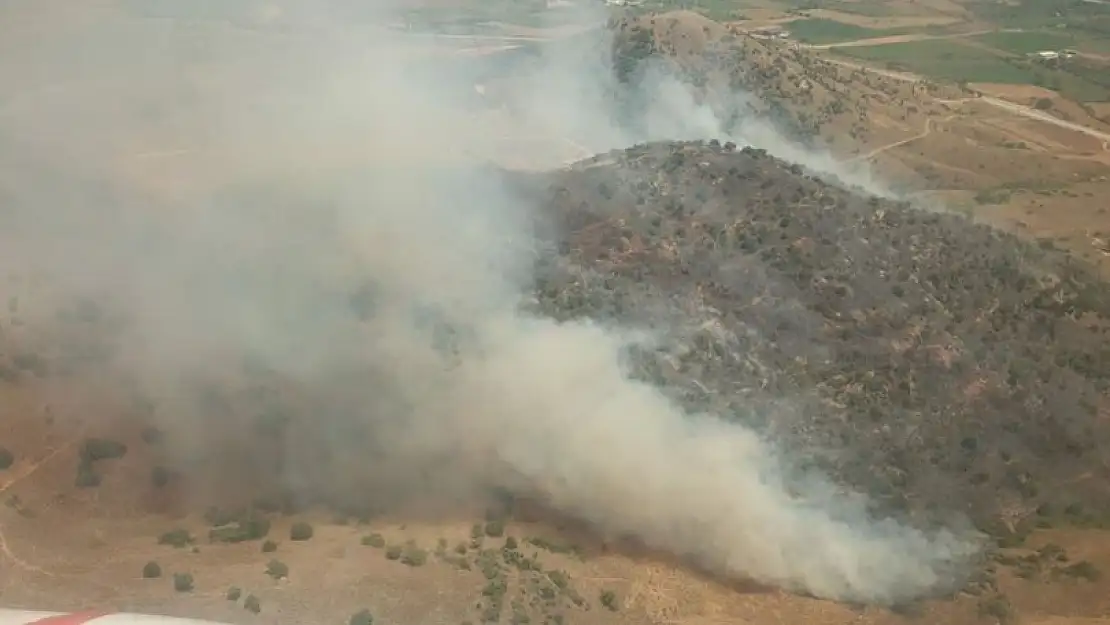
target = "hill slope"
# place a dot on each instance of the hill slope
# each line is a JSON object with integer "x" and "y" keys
{"x": 936, "y": 363}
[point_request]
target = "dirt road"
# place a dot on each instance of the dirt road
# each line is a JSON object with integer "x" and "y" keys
{"x": 1016, "y": 109}
{"x": 878, "y": 41}
{"x": 925, "y": 132}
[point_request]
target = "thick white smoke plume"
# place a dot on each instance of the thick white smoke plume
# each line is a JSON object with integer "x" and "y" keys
{"x": 228, "y": 181}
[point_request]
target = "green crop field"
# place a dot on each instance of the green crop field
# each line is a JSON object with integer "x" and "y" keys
{"x": 958, "y": 62}
{"x": 1027, "y": 42}
{"x": 951, "y": 61}
{"x": 822, "y": 31}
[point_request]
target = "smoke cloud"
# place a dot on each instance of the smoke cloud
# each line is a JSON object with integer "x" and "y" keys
{"x": 301, "y": 196}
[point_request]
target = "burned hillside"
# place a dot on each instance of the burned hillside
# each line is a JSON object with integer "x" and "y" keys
{"x": 935, "y": 363}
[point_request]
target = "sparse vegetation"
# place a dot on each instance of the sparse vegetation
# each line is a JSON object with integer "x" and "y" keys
{"x": 362, "y": 617}
{"x": 252, "y": 604}
{"x": 233, "y": 593}
{"x": 269, "y": 546}
{"x": 375, "y": 540}
{"x": 7, "y": 458}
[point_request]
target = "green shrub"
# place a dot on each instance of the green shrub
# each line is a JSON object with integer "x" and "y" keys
{"x": 233, "y": 593}
{"x": 269, "y": 546}
{"x": 243, "y": 530}
{"x": 362, "y": 617}
{"x": 997, "y": 607}
{"x": 152, "y": 570}
{"x": 252, "y": 604}
{"x": 95, "y": 449}
{"x": 159, "y": 477}
{"x": 609, "y": 599}
{"x": 394, "y": 552}
{"x": 183, "y": 582}
{"x": 495, "y": 529}
{"x": 7, "y": 458}
{"x": 414, "y": 556}
{"x": 300, "y": 531}
{"x": 376, "y": 541}
{"x": 177, "y": 538}
{"x": 277, "y": 569}
{"x": 218, "y": 517}
{"x": 87, "y": 477}
{"x": 1083, "y": 570}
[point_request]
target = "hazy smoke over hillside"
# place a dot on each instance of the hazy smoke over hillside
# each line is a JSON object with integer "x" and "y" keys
{"x": 234, "y": 185}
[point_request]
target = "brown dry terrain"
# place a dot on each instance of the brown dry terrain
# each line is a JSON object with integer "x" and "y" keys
{"x": 988, "y": 350}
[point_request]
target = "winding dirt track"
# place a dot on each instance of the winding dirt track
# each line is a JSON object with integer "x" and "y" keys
{"x": 1016, "y": 109}
{"x": 925, "y": 132}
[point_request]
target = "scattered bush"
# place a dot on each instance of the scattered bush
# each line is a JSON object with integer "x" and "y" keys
{"x": 269, "y": 546}
{"x": 7, "y": 458}
{"x": 414, "y": 556}
{"x": 87, "y": 477}
{"x": 233, "y": 593}
{"x": 159, "y": 477}
{"x": 394, "y": 552}
{"x": 95, "y": 449}
{"x": 243, "y": 530}
{"x": 152, "y": 570}
{"x": 362, "y": 617}
{"x": 997, "y": 607}
{"x": 218, "y": 517}
{"x": 277, "y": 569}
{"x": 183, "y": 582}
{"x": 376, "y": 541}
{"x": 300, "y": 531}
{"x": 151, "y": 435}
{"x": 495, "y": 529}
{"x": 1083, "y": 570}
{"x": 609, "y": 599}
{"x": 252, "y": 604}
{"x": 177, "y": 538}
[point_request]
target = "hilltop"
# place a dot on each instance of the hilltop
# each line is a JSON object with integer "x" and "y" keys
{"x": 937, "y": 363}
{"x": 813, "y": 101}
